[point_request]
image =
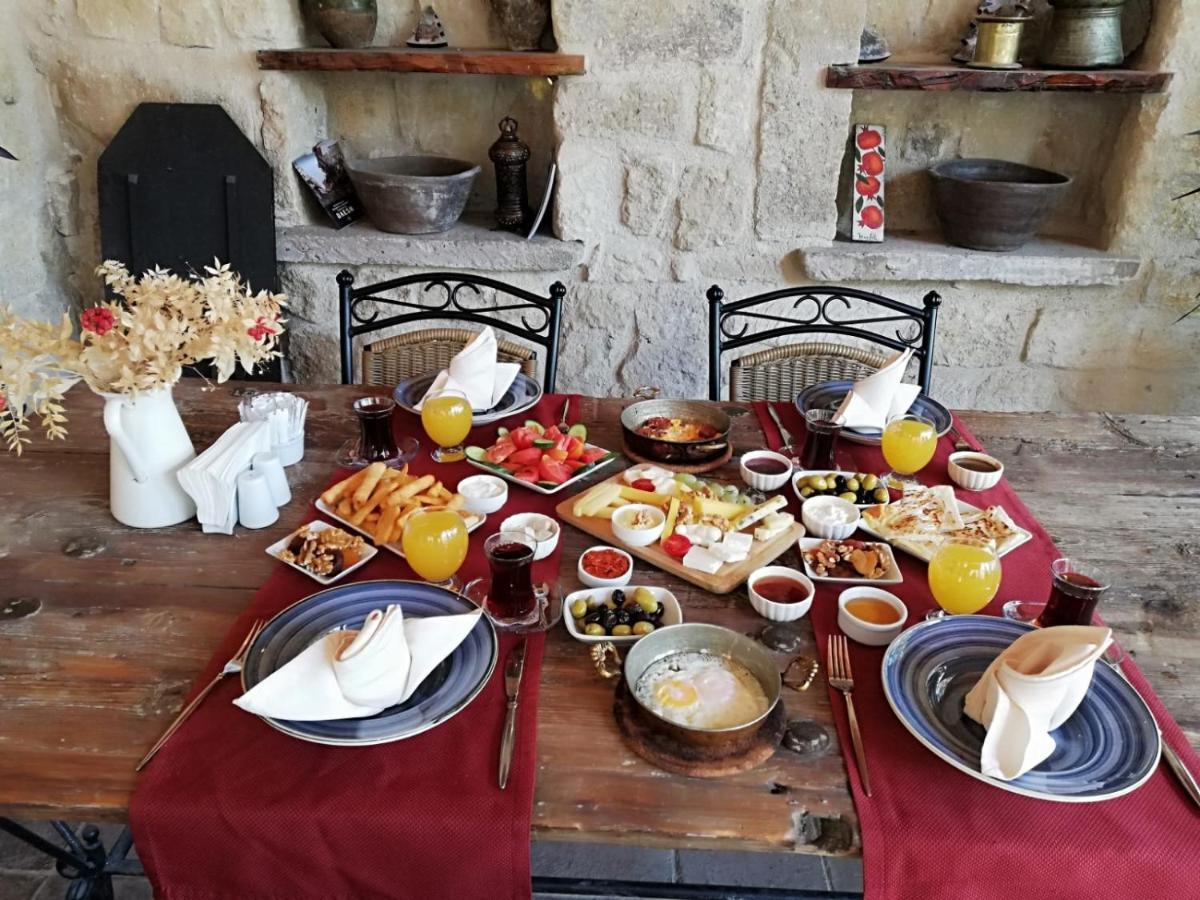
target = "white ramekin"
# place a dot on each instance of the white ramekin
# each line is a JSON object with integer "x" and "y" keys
{"x": 779, "y": 612}
{"x": 758, "y": 480}
{"x": 970, "y": 480}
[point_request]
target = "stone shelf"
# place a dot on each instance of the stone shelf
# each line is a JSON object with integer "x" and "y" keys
{"x": 403, "y": 59}
{"x": 1043, "y": 262}
{"x": 949, "y": 77}
{"x": 470, "y": 244}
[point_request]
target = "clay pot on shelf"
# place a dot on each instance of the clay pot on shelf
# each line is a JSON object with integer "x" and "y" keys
{"x": 413, "y": 194}
{"x": 990, "y": 204}
{"x": 522, "y": 21}
{"x": 346, "y": 24}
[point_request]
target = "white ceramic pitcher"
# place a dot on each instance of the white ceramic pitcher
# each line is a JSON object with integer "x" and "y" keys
{"x": 149, "y": 444}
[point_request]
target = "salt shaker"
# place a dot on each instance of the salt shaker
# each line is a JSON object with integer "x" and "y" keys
{"x": 268, "y": 463}
{"x": 256, "y": 509}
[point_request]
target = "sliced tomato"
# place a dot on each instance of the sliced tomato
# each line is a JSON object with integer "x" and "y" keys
{"x": 522, "y": 437}
{"x": 591, "y": 454}
{"x": 529, "y": 474}
{"x": 501, "y": 450}
{"x": 643, "y": 484}
{"x": 527, "y": 457}
{"x": 574, "y": 448}
{"x": 574, "y": 464}
{"x": 552, "y": 470}
{"x": 556, "y": 454}
{"x": 677, "y": 546}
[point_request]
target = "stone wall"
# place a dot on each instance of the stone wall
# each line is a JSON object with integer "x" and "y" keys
{"x": 700, "y": 147}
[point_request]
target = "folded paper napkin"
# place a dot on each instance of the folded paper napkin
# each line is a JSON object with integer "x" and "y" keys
{"x": 475, "y": 372}
{"x": 1029, "y": 690}
{"x": 873, "y": 400}
{"x": 211, "y": 478}
{"x": 352, "y": 674}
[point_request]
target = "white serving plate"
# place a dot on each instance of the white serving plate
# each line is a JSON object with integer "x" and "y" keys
{"x": 923, "y": 554}
{"x": 472, "y": 520}
{"x": 279, "y": 546}
{"x": 672, "y": 613}
{"x": 500, "y": 471}
{"x": 805, "y": 473}
{"x": 892, "y": 576}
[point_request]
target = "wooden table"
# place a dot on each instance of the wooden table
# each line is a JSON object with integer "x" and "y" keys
{"x": 129, "y": 617}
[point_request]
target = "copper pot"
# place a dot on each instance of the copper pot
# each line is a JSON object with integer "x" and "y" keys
{"x": 675, "y": 452}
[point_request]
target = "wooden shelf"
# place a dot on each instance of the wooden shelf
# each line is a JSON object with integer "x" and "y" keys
{"x": 925, "y": 77}
{"x": 404, "y": 59}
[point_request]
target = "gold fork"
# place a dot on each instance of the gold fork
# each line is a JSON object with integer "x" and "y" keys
{"x": 842, "y": 679}
{"x": 230, "y": 668}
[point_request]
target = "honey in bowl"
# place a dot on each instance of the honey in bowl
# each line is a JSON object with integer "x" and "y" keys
{"x": 781, "y": 589}
{"x": 872, "y": 611}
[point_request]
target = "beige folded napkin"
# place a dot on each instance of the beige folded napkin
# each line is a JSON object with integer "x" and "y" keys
{"x": 873, "y": 400}
{"x": 352, "y": 674}
{"x": 475, "y": 372}
{"x": 1029, "y": 690}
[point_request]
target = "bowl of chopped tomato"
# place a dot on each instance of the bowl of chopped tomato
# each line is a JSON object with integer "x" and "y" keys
{"x": 602, "y": 566}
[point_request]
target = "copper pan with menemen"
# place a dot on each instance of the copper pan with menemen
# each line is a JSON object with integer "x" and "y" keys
{"x": 675, "y": 432}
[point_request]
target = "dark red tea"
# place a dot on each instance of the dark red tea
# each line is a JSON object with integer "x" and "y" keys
{"x": 511, "y": 597}
{"x": 765, "y": 465}
{"x": 780, "y": 589}
{"x": 375, "y": 428}
{"x": 821, "y": 442}
{"x": 1073, "y": 600}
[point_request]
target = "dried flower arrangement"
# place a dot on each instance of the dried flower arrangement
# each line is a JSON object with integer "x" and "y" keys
{"x": 138, "y": 343}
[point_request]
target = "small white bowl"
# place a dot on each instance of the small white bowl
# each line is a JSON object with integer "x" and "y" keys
{"x": 520, "y": 520}
{"x": 592, "y": 581}
{"x": 969, "y": 479}
{"x": 318, "y": 525}
{"x": 760, "y": 481}
{"x": 637, "y": 537}
{"x": 868, "y": 632}
{"x": 779, "y": 612}
{"x": 484, "y": 506}
{"x": 672, "y": 614}
{"x": 813, "y": 513}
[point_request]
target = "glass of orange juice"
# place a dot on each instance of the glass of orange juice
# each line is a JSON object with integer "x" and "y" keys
{"x": 435, "y": 544}
{"x": 447, "y": 420}
{"x": 963, "y": 579}
{"x": 908, "y": 444}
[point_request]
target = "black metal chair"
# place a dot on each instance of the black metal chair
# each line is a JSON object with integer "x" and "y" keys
{"x": 781, "y": 372}
{"x": 392, "y": 358}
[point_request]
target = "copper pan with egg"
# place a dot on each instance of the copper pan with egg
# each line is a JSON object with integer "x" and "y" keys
{"x": 715, "y": 641}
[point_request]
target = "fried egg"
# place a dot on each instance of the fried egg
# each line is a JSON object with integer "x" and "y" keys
{"x": 701, "y": 690}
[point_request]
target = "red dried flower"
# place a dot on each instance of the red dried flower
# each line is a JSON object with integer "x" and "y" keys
{"x": 3, "y": 403}
{"x": 98, "y": 320}
{"x": 260, "y": 330}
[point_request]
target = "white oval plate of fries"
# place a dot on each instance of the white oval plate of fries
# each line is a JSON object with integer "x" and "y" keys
{"x": 377, "y": 501}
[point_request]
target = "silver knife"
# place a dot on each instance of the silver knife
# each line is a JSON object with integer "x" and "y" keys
{"x": 783, "y": 432}
{"x": 513, "y": 670}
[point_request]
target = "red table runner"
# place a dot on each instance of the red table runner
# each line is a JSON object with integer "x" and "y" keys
{"x": 231, "y": 808}
{"x": 930, "y": 831}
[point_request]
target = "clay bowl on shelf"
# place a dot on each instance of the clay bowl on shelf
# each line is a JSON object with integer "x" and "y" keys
{"x": 413, "y": 194}
{"x": 669, "y": 451}
{"x": 990, "y": 204}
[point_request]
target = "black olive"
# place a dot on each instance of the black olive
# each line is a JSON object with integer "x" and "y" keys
{"x": 624, "y": 617}
{"x": 609, "y": 621}
{"x": 594, "y": 616}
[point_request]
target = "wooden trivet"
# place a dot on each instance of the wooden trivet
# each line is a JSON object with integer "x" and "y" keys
{"x": 694, "y": 469}
{"x": 684, "y": 759}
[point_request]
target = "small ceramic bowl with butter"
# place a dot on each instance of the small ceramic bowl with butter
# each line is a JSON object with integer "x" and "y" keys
{"x": 973, "y": 471}
{"x": 831, "y": 518}
{"x": 765, "y": 470}
{"x": 871, "y": 616}
{"x": 542, "y": 529}
{"x": 638, "y": 524}
{"x": 483, "y": 494}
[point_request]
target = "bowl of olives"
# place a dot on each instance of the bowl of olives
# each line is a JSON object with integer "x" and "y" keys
{"x": 621, "y": 615}
{"x": 860, "y": 488}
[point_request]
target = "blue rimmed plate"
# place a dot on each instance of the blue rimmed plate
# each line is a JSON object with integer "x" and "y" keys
{"x": 445, "y": 692}
{"x": 523, "y": 394}
{"x": 830, "y": 394}
{"x": 1107, "y": 748}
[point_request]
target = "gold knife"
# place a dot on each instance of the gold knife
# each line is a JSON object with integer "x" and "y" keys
{"x": 514, "y": 668}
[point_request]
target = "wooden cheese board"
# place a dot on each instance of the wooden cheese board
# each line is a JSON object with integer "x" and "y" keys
{"x": 729, "y": 577}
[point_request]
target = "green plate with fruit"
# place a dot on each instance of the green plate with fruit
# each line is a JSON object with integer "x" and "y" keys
{"x": 863, "y": 489}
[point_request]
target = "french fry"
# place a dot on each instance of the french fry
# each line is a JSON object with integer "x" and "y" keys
{"x": 387, "y": 521}
{"x": 456, "y": 502}
{"x": 374, "y": 472}
{"x": 407, "y": 511}
{"x": 335, "y": 491}
{"x": 344, "y": 508}
{"x": 381, "y": 492}
{"x": 416, "y": 486}
{"x": 440, "y": 490}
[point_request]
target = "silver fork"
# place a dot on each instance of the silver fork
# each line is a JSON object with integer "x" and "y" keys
{"x": 841, "y": 678}
{"x": 230, "y": 668}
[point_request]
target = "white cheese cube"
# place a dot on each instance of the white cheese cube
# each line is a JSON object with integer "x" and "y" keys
{"x": 741, "y": 543}
{"x": 702, "y": 560}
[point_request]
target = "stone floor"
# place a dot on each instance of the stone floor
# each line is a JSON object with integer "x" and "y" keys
{"x": 25, "y": 874}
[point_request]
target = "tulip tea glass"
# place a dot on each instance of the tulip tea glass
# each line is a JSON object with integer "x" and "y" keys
{"x": 963, "y": 579}
{"x": 511, "y": 599}
{"x": 376, "y": 443}
{"x": 821, "y": 444}
{"x": 908, "y": 444}
{"x": 447, "y": 420}
{"x": 1074, "y": 593}
{"x": 435, "y": 544}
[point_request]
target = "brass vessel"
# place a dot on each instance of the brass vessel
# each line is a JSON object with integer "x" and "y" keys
{"x": 1084, "y": 34}
{"x": 998, "y": 41}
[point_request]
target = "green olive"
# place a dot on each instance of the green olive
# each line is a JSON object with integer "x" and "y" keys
{"x": 880, "y": 495}
{"x": 595, "y": 629}
{"x": 806, "y": 492}
{"x": 621, "y": 631}
{"x": 870, "y": 482}
{"x": 579, "y": 608}
{"x": 852, "y": 485}
{"x": 849, "y": 496}
{"x": 643, "y": 627}
{"x": 819, "y": 484}
{"x": 646, "y": 600}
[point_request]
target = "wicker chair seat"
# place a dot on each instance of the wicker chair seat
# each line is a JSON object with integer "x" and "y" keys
{"x": 780, "y": 373}
{"x": 391, "y": 360}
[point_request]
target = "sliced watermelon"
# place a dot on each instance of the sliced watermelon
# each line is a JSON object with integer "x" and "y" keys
{"x": 574, "y": 448}
{"x": 592, "y": 454}
{"x": 511, "y": 466}
{"x": 522, "y": 437}
{"x": 527, "y": 457}
{"x": 529, "y": 474}
{"x": 556, "y": 454}
{"x": 501, "y": 450}
{"x": 552, "y": 433}
{"x": 574, "y": 464}
{"x": 553, "y": 470}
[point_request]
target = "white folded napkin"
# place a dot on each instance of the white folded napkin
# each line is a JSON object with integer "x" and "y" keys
{"x": 1029, "y": 690}
{"x": 352, "y": 674}
{"x": 873, "y": 400}
{"x": 475, "y": 372}
{"x": 211, "y": 478}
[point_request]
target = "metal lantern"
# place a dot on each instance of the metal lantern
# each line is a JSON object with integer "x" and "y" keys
{"x": 510, "y": 155}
